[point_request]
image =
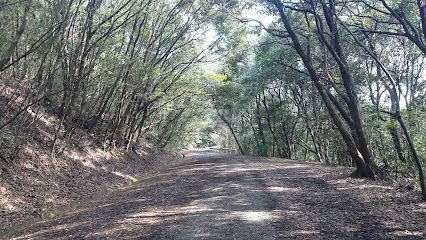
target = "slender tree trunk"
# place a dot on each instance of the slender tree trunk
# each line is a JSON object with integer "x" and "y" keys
{"x": 397, "y": 143}
{"x": 415, "y": 156}
{"x": 4, "y": 59}
{"x": 264, "y": 150}
{"x": 271, "y": 127}
{"x": 240, "y": 148}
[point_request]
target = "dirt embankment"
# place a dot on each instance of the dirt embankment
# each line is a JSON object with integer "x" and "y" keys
{"x": 32, "y": 183}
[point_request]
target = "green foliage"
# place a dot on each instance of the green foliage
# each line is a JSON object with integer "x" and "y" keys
{"x": 9, "y": 143}
{"x": 7, "y": 138}
{"x": 105, "y": 144}
{"x": 136, "y": 70}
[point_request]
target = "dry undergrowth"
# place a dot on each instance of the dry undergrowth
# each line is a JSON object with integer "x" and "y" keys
{"x": 32, "y": 183}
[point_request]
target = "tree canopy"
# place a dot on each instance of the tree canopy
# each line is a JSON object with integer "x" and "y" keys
{"x": 334, "y": 81}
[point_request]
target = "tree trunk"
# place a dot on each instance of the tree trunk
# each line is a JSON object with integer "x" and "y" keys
{"x": 233, "y": 133}
{"x": 422, "y": 10}
{"x": 364, "y": 169}
{"x": 415, "y": 156}
{"x": 263, "y": 150}
{"x": 397, "y": 143}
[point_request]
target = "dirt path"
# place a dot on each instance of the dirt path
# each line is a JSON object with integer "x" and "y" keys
{"x": 214, "y": 196}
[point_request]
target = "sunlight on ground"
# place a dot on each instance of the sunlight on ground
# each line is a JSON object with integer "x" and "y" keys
{"x": 253, "y": 216}
{"x": 7, "y": 202}
{"x": 57, "y": 228}
{"x": 217, "y": 189}
{"x": 305, "y": 232}
{"x": 125, "y": 176}
{"x": 407, "y": 233}
{"x": 364, "y": 186}
{"x": 88, "y": 164}
{"x": 194, "y": 169}
{"x": 422, "y": 207}
{"x": 282, "y": 189}
{"x": 239, "y": 169}
{"x": 397, "y": 230}
{"x": 40, "y": 117}
{"x": 156, "y": 215}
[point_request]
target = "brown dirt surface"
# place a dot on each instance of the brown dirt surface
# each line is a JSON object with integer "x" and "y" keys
{"x": 38, "y": 190}
{"x": 217, "y": 196}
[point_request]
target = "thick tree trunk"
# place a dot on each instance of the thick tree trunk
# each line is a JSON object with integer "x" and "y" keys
{"x": 337, "y": 53}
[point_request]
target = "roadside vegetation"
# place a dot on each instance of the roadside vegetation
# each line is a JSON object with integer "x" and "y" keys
{"x": 332, "y": 81}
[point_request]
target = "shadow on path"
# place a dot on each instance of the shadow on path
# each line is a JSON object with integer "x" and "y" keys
{"x": 215, "y": 196}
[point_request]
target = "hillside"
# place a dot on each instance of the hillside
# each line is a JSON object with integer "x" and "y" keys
{"x": 33, "y": 182}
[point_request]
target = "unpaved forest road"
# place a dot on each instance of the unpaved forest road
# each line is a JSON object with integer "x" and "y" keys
{"x": 216, "y": 196}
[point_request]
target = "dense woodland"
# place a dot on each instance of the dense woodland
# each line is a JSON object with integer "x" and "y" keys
{"x": 333, "y": 81}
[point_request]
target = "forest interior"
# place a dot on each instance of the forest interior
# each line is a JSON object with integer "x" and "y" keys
{"x": 99, "y": 96}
